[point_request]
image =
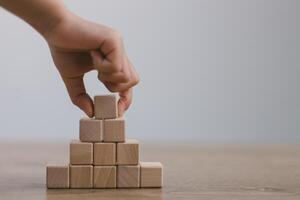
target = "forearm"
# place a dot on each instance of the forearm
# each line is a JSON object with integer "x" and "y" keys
{"x": 42, "y": 15}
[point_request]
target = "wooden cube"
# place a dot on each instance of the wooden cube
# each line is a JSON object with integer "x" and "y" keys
{"x": 81, "y": 176}
{"x": 57, "y": 176}
{"x": 151, "y": 174}
{"x": 106, "y": 107}
{"x": 114, "y": 130}
{"x": 90, "y": 130}
{"x": 128, "y": 176}
{"x": 81, "y": 153}
{"x": 128, "y": 152}
{"x": 105, "y": 154}
{"x": 105, "y": 177}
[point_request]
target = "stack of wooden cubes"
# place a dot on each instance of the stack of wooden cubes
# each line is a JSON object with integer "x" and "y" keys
{"x": 103, "y": 157}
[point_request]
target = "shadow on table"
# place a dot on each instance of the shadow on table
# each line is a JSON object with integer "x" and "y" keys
{"x": 91, "y": 194}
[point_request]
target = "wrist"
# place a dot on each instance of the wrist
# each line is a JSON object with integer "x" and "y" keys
{"x": 42, "y": 15}
{"x": 52, "y": 21}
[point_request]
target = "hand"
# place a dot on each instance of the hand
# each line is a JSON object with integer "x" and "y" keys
{"x": 79, "y": 46}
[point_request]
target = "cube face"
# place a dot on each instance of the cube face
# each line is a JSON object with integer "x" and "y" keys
{"x": 151, "y": 174}
{"x": 128, "y": 176}
{"x": 104, "y": 154}
{"x": 57, "y": 176}
{"x": 114, "y": 130}
{"x": 81, "y": 153}
{"x": 128, "y": 153}
{"x": 81, "y": 176}
{"x": 90, "y": 130}
{"x": 105, "y": 177}
{"x": 106, "y": 107}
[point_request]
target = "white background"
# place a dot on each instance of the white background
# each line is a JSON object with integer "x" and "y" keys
{"x": 211, "y": 71}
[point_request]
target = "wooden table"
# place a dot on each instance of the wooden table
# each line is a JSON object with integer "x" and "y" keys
{"x": 190, "y": 172}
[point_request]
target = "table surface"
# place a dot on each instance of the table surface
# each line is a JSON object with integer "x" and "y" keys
{"x": 190, "y": 172}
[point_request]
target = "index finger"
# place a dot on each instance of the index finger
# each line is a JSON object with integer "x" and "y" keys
{"x": 124, "y": 101}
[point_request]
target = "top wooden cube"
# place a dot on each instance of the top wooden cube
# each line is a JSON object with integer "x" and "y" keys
{"x": 106, "y": 106}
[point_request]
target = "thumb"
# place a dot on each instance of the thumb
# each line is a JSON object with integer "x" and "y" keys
{"x": 78, "y": 95}
{"x": 124, "y": 101}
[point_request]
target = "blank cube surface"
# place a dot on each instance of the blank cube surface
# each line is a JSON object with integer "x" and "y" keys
{"x": 105, "y": 177}
{"x": 151, "y": 174}
{"x": 81, "y": 153}
{"x": 104, "y": 154}
{"x": 57, "y": 176}
{"x": 105, "y": 107}
{"x": 81, "y": 176}
{"x": 90, "y": 130}
{"x": 114, "y": 130}
{"x": 128, "y": 152}
{"x": 128, "y": 176}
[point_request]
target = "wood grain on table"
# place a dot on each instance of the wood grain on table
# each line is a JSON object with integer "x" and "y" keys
{"x": 190, "y": 172}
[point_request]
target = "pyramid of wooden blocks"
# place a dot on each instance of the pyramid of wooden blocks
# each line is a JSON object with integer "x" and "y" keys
{"x": 103, "y": 157}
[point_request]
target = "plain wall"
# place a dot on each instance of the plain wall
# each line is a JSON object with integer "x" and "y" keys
{"x": 211, "y": 71}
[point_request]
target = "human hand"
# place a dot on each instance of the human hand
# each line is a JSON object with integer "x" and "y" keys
{"x": 79, "y": 46}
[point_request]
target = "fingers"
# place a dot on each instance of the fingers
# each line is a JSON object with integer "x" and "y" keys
{"x": 113, "y": 47}
{"x": 78, "y": 95}
{"x": 115, "y": 70}
{"x": 116, "y": 81}
{"x": 118, "y": 87}
{"x": 124, "y": 101}
{"x": 113, "y": 78}
{"x": 101, "y": 64}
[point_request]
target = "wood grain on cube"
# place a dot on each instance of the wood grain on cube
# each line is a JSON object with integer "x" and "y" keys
{"x": 57, "y": 176}
{"x": 81, "y": 153}
{"x": 104, "y": 153}
{"x": 114, "y": 130}
{"x": 90, "y": 130}
{"x": 105, "y": 176}
{"x": 128, "y": 176}
{"x": 106, "y": 107}
{"x": 151, "y": 174}
{"x": 128, "y": 152}
{"x": 81, "y": 176}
